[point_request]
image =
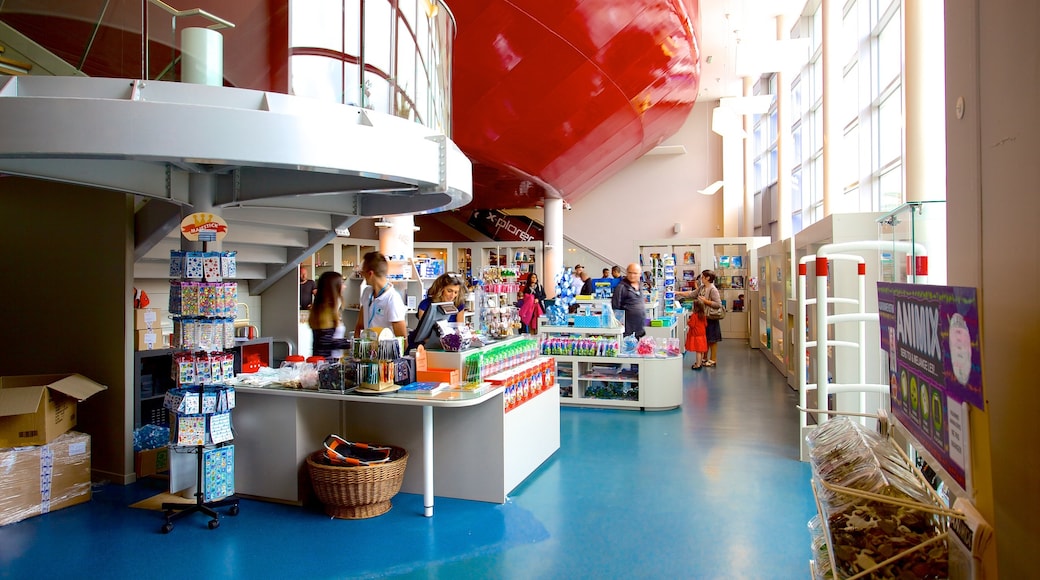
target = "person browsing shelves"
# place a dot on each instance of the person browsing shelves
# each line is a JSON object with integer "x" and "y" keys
{"x": 381, "y": 305}
{"x": 628, "y": 296}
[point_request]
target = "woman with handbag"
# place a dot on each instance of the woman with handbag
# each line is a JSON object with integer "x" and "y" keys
{"x": 709, "y": 296}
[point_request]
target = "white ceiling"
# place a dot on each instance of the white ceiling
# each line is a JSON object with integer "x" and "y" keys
{"x": 727, "y": 23}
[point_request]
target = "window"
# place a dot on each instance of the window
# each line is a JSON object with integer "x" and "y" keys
{"x": 869, "y": 153}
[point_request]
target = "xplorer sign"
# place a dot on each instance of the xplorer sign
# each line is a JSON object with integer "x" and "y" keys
{"x": 505, "y": 228}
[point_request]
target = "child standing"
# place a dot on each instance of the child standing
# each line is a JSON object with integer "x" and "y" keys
{"x": 696, "y": 334}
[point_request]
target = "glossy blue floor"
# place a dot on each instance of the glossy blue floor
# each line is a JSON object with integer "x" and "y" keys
{"x": 713, "y": 489}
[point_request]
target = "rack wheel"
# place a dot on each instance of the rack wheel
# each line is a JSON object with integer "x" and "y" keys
{"x": 233, "y": 511}
{"x": 167, "y": 528}
{"x": 214, "y": 524}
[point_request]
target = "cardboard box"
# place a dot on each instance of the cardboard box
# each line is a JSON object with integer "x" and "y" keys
{"x": 450, "y": 376}
{"x": 152, "y": 461}
{"x": 44, "y": 478}
{"x": 36, "y": 409}
{"x": 145, "y": 318}
{"x": 148, "y": 339}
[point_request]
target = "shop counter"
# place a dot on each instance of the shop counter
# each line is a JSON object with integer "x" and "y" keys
{"x": 483, "y": 449}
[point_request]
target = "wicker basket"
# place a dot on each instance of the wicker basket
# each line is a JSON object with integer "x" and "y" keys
{"x": 359, "y": 492}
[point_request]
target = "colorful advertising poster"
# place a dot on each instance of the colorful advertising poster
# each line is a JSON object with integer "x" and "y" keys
{"x": 931, "y": 335}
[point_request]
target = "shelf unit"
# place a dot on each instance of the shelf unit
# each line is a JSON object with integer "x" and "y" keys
{"x": 152, "y": 376}
{"x": 734, "y": 260}
{"x": 643, "y": 383}
{"x": 428, "y": 251}
{"x": 775, "y": 275}
{"x": 521, "y": 257}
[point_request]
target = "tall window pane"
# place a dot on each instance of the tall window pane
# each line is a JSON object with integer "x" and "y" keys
{"x": 890, "y": 189}
{"x": 889, "y": 53}
{"x": 890, "y": 129}
{"x": 307, "y": 28}
{"x": 317, "y": 77}
{"x": 849, "y": 34}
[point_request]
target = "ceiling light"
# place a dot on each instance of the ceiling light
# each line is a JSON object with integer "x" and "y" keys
{"x": 343, "y": 232}
{"x": 711, "y": 189}
{"x": 667, "y": 150}
{"x": 383, "y": 224}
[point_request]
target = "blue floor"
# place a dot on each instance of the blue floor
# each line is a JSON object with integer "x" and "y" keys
{"x": 711, "y": 490}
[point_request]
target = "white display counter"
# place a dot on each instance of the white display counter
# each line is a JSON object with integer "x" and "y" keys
{"x": 627, "y": 382}
{"x": 483, "y": 451}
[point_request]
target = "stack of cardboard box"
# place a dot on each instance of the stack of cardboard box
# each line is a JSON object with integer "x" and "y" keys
{"x": 44, "y": 466}
{"x": 147, "y": 329}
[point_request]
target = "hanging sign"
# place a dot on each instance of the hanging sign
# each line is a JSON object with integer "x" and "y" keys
{"x": 502, "y": 227}
{"x": 205, "y": 227}
{"x": 931, "y": 335}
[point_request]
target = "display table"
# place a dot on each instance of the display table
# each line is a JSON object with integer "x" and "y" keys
{"x": 628, "y": 382}
{"x": 483, "y": 452}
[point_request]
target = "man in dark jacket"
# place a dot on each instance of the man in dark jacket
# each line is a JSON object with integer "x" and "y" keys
{"x": 628, "y": 296}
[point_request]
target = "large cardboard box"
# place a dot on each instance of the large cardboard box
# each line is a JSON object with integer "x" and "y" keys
{"x": 36, "y": 409}
{"x": 43, "y": 478}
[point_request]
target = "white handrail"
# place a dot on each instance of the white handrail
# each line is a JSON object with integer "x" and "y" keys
{"x": 218, "y": 21}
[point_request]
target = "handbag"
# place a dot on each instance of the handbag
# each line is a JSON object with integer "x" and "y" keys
{"x": 716, "y": 312}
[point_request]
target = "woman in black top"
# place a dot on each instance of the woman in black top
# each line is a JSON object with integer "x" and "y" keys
{"x": 327, "y": 330}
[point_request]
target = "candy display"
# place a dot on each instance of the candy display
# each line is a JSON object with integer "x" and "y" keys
{"x": 492, "y": 360}
{"x": 579, "y": 345}
{"x": 902, "y": 519}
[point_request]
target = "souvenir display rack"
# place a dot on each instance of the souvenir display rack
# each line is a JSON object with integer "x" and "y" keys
{"x": 203, "y": 307}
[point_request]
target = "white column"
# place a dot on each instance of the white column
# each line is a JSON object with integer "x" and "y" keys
{"x": 202, "y": 57}
{"x": 399, "y": 238}
{"x": 830, "y": 12}
{"x": 924, "y": 93}
{"x": 749, "y": 164}
{"x": 733, "y": 176}
{"x": 783, "y": 142}
{"x": 552, "y": 258}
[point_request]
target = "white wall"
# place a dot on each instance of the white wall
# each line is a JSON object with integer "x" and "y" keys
{"x": 646, "y": 199}
{"x": 993, "y": 64}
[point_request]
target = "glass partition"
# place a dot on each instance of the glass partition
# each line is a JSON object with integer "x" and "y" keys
{"x": 916, "y": 232}
{"x": 390, "y": 56}
{"x": 403, "y": 48}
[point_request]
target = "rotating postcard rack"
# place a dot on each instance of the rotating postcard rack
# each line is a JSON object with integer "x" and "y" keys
{"x": 203, "y": 307}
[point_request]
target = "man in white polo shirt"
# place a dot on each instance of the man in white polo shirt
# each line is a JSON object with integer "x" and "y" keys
{"x": 381, "y": 305}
